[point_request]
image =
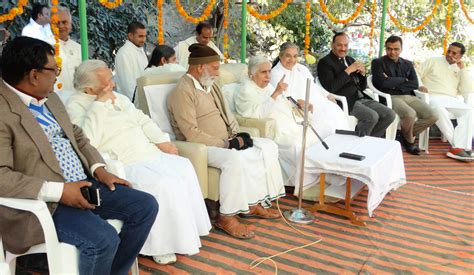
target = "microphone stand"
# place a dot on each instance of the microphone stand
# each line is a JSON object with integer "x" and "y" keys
{"x": 300, "y": 109}
{"x": 300, "y": 215}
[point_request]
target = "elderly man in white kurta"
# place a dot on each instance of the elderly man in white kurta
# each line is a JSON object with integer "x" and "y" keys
{"x": 131, "y": 60}
{"x": 115, "y": 127}
{"x": 327, "y": 115}
{"x": 69, "y": 51}
{"x": 250, "y": 173}
{"x": 445, "y": 78}
{"x": 204, "y": 33}
{"x": 258, "y": 99}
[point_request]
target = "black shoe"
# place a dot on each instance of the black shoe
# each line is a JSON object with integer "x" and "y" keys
{"x": 412, "y": 148}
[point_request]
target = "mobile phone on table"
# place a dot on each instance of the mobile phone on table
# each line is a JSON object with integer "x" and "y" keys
{"x": 351, "y": 156}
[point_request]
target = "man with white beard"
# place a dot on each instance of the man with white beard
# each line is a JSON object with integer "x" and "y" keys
{"x": 250, "y": 173}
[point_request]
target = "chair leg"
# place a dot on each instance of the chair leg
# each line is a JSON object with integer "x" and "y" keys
{"x": 13, "y": 266}
{"x": 135, "y": 270}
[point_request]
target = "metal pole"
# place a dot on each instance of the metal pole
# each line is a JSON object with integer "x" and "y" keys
{"x": 83, "y": 28}
{"x": 382, "y": 27}
{"x": 243, "y": 33}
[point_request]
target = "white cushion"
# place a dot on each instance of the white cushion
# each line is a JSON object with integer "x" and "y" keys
{"x": 229, "y": 91}
{"x": 156, "y": 96}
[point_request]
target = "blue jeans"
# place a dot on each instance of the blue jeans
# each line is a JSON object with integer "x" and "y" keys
{"x": 102, "y": 251}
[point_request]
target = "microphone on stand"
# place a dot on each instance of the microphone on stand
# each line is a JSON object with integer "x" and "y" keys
{"x": 300, "y": 109}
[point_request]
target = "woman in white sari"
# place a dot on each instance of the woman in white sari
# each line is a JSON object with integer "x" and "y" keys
{"x": 257, "y": 98}
{"x": 327, "y": 115}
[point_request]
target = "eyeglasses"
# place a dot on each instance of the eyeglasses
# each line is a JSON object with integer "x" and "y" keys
{"x": 57, "y": 71}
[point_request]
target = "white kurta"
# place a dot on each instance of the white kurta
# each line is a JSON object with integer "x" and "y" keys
{"x": 182, "y": 52}
{"x": 70, "y": 52}
{"x": 166, "y": 68}
{"x": 130, "y": 61}
{"x": 327, "y": 116}
{"x": 255, "y": 102}
{"x": 126, "y": 134}
{"x": 37, "y": 31}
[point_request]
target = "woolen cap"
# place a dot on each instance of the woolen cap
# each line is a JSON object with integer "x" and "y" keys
{"x": 202, "y": 54}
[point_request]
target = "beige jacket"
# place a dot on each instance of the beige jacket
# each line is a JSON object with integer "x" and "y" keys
{"x": 200, "y": 117}
{"x": 27, "y": 161}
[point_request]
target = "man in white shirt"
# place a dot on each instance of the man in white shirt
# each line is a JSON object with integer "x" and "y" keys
{"x": 446, "y": 78}
{"x": 131, "y": 60}
{"x": 39, "y": 26}
{"x": 204, "y": 33}
{"x": 69, "y": 51}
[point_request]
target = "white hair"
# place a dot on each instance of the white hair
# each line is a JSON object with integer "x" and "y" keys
{"x": 255, "y": 61}
{"x": 65, "y": 9}
{"x": 85, "y": 75}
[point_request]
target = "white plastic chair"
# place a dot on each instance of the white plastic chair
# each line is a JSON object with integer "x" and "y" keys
{"x": 424, "y": 137}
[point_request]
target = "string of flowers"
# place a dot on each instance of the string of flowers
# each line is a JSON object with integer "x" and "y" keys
{"x": 19, "y": 9}
{"x": 373, "y": 8}
{"x": 111, "y": 5}
{"x": 226, "y": 35}
{"x": 270, "y": 15}
{"x": 159, "y": 15}
{"x": 55, "y": 30}
{"x": 308, "y": 21}
{"x": 466, "y": 13}
{"x": 335, "y": 20}
{"x": 207, "y": 11}
{"x": 419, "y": 27}
{"x": 448, "y": 26}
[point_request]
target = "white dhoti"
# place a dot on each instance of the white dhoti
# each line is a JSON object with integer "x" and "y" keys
{"x": 182, "y": 215}
{"x": 248, "y": 177}
{"x": 461, "y": 136}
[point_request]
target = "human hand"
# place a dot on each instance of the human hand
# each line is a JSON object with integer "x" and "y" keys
{"x": 423, "y": 89}
{"x": 109, "y": 179}
{"x": 352, "y": 68}
{"x": 236, "y": 143}
{"x": 360, "y": 67}
{"x": 248, "y": 141}
{"x": 460, "y": 64}
{"x": 106, "y": 94}
{"x": 72, "y": 195}
{"x": 167, "y": 147}
{"x": 281, "y": 86}
{"x": 301, "y": 103}
{"x": 331, "y": 98}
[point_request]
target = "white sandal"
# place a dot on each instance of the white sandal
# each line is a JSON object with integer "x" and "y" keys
{"x": 165, "y": 259}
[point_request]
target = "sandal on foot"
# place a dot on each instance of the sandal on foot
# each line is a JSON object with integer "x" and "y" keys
{"x": 233, "y": 227}
{"x": 262, "y": 213}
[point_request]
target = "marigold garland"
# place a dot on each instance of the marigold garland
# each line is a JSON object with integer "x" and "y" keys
{"x": 159, "y": 19}
{"x": 270, "y": 15}
{"x": 226, "y": 36}
{"x": 373, "y": 8}
{"x": 111, "y": 5}
{"x": 419, "y": 27}
{"x": 466, "y": 13}
{"x": 308, "y": 21}
{"x": 448, "y": 26}
{"x": 19, "y": 9}
{"x": 331, "y": 17}
{"x": 55, "y": 30}
{"x": 207, "y": 11}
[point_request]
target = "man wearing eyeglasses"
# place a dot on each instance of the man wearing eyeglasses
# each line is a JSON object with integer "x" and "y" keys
{"x": 45, "y": 157}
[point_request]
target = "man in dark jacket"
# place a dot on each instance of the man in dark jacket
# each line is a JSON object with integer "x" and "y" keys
{"x": 396, "y": 76}
{"x": 343, "y": 75}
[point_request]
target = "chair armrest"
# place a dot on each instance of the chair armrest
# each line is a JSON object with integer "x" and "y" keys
{"x": 423, "y": 96}
{"x": 388, "y": 97}
{"x": 253, "y": 132}
{"x": 41, "y": 211}
{"x": 265, "y": 126}
{"x": 373, "y": 94}
{"x": 343, "y": 101}
{"x": 197, "y": 154}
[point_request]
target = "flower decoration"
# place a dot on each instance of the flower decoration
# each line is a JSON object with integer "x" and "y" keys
{"x": 226, "y": 35}
{"x": 111, "y": 5}
{"x": 19, "y": 9}
{"x": 308, "y": 21}
{"x": 270, "y": 15}
{"x": 419, "y": 27}
{"x": 55, "y": 30}
{"x": 207, "y": 11}
{"x": 331, "y": 17}
{"x": 159, "y": 15}
{"x": 464, "y": 10}
{"x": 372, "y": 26}
{"x": 448, "y": 26}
